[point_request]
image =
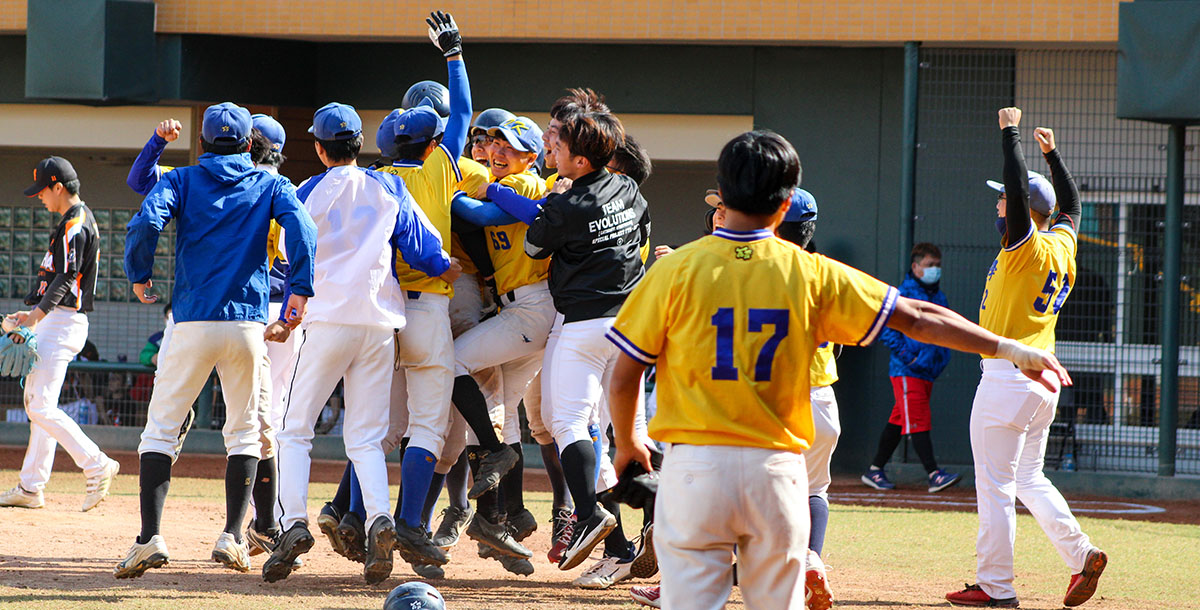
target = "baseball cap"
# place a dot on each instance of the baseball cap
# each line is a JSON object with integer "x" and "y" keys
{"x": 49, "y": 171}
{"x": 385, "y": 138}
{"x": 420, "y": 123}
{"x": 1041, "y": 194}
{"x": 225, "y": 123}
{"x": 271, "y": 130}
{"x": 804, "y": 207}
{"x": 521, "y": 132}
{"x": 335, "y": 121}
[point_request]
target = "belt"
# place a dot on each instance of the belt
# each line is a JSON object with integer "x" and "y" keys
{"x": 414, "y": 294}
{"x": 508, "y": 298}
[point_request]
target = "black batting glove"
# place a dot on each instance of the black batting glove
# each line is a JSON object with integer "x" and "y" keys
{"x": 444, "y": 33}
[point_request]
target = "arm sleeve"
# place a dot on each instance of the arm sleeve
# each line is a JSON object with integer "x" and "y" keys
{"x": 548, "y": 231}
{"x": 1018, "y": 224}
{"x": 145, "y": 171}
{"x": 480, "y": 213}
{"x": 460, "y": 106}
{"x": 55, "y": 292}
{"x": 523, "y": 208}
{"x": 300, "y": 238}
{"x": 1065, "y": 189}
{"x": 141, "y": 234}
{"x": 416, "y": 241}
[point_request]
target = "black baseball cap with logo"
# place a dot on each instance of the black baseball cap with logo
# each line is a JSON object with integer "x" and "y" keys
{"x": 50, "y": 171}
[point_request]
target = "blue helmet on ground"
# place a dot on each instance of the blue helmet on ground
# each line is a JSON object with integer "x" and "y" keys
{"x": 430, "y": 93}
{"x": 414, "y": 596}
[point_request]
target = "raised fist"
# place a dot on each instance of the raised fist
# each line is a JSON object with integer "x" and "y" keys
{"x": 1009, "y": 117}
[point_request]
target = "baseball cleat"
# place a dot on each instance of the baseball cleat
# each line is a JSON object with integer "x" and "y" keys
{"x": 645, "y": 563}
{"x": 940, "y": 479}
{"x": 97, "y": 486}
{"x": 492, "y": 467}
{"x": 877, "y": 479}
{"x": 516, "y": 565}
{"x": 292, "y": 544}
{"x": 352, "y": 535}
{"x": 973, "y": 596}
{"x": 261, "y": 542}
{"x": 562, "y": 527}
{"x": 588, "y": 533}
{"x": 604, "y": 574}
{"x": 23, "y": 499}
{"x": 328, "y": 521}
{"x": 646, "y": 596}
{"x": 142, "y": 557}
{"x": 416, "y": 547}
{"x": 451, "y": 527}
{"x": 497, "y": 536}
{"x": 522, "y": 524}
{"x": 381, "y": 541}
{"x": 817, "y": 594}
{"x": 428, "y": 572}
{"x": 231, "y": 553}
{"x": 1083, "y": 584}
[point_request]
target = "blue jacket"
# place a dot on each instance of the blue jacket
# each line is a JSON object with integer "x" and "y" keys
{"x": 222, "y": 207}
{"x": 912, "y": 358}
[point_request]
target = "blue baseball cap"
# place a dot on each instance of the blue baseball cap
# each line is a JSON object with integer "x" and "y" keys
{"x": 804, "y": 207}
{"x": 1041, "y": 193}
{"x": 521, "y": 132}
{"x": 225, "y": 123}
{"x": 385, "y": 138}
{"x": 335, "y": 121}
{"x": 420, "y": 123}
{"x": 271, "y": 130}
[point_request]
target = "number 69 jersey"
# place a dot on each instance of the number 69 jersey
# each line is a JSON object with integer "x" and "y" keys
{"x": 732, "y": 320}
{"x": 1027, "y": 285}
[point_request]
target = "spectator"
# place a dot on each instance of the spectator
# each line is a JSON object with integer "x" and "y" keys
{"x": 149, "y": 355}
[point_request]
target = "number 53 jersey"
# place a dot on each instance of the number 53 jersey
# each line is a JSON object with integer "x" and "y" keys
{"x": 732, "y": 321}
{"x": 1027, "y": 285}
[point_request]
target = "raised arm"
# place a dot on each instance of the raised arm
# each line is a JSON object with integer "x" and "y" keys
{"x": 145, "y": 171}
{"x": 1065, "y": 190}
{"x": 142, "y": 232}
{"x": 445, "y": 36}
{"x": 1017, "y": 222}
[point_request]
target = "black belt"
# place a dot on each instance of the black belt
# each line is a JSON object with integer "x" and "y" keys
{"x": 511, "y": 295}
{"x": 414, "y": 294}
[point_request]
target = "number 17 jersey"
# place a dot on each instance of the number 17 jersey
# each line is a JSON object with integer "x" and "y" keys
{"x": 1027, "y": 284}
{"x": 732, "y": 321}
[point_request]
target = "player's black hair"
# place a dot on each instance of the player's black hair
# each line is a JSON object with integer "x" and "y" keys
{"x": 260, "y": 150}
{"x": 593, "y": 136}
{"x": 575, "y": 101}
{"x": 632, "y": 160}
{"x": 224, "y": 149}
{"x": 342, "y": 150}
{"x": 799, "y": 233}
{"x": 411, "y": 150}
{"x": 757, "y": 172}
{"x": 72, "y": 186}
{"x": 923, "y": 249}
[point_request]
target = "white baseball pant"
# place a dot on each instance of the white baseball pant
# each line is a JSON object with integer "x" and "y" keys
{"x": 60, "y": 336}
{"x": 363, "y": 356}
{"x": 466, "y": 308}
{"x": 711, "y": 498}
{"x": 236, "y": 350}
{"x": 425, "y": 350}
{"x": 533, "y": 411}
{"x": 1010, "y": 420}
{"x": 578, "y": 364}
{"x": 827, "y": 427}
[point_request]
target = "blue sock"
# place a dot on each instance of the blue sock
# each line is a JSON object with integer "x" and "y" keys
{"x": 597, "y": 448}
{"x": 416, "y": 471}
{"x": 818, "y": 509}
{"x": 356, "y": 501}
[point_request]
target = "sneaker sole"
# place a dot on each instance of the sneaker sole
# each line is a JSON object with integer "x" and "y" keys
{"x": 276, "y": 570}
{"x": 935, "y": 489}
{"x": 328, "y": 526}
{"x": 874, "y": 485}
{"x": 414, "y": 556}
{"x": 817, "y": 595}
{"x": 645, "y": 565}
{"x": 230, "y": 561}
{"x": 377, "y": 569}
{"x": 1086, "y": 587}
{"x": 479, "y": 488}
{"x": 645, "y": 601}
{"x": 988, "y": 604}
{"x": 571, "y": 560}
{"x": 353, "y": 545}
{"x": 156, "y": 560}
{"x": 499, "y": 548}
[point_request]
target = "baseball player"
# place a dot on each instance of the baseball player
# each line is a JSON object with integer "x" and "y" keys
{"x": 351, "y": 332}
{"x": 734, "y": 417}
{"x": 1010, "y": 417}
{"x": 223, "y": 204}
{"x": 61, "y": 297}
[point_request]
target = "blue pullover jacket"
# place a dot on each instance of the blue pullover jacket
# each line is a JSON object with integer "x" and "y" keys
{"x": 912, "y": 358}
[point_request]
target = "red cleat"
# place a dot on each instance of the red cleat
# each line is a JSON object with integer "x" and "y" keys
{"x": 563, "y": 529}
{"x": 646, "y": 596}
{"x": 975, "y": 597}
{"x": 1083, "y": 584}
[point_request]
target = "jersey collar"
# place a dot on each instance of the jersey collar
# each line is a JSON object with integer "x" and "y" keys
{"x": 743, "y": 235}
{"x": 408, "y": 163}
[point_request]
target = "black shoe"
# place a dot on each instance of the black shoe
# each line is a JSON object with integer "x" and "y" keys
{"x": 522, "y": 524}
{"x": 328, "y": 521}
{"x": 492, "y": 467}
{"x": 588, "y": 533}
{"x": 415, "y": 546}
{"x": 517, "y": 565}
{"x": 261, "y": 542}
{"x": 292, "y": 544}
{"x": 451, "y": 527}
{"x": 429, "y": 572}
{"x": 352, "y": 535}
{"x": 645, "y": 563}
{"x": 497, "y": 536}
{"x": 381, "y": 541}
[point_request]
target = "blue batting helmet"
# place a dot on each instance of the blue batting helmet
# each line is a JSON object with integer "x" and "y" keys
{"x": 492, "y": 117}
{"x": 414, "y": 596}
{"x": 429, "y": 93}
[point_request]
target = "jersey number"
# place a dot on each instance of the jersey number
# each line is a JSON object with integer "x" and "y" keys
{"x": 758, "y": 318}
{"x": 1044, "y": 299}
{"x": 500, "y": 240}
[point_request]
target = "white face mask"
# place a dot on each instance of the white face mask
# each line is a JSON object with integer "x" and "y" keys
{"x": 932, "y": 275}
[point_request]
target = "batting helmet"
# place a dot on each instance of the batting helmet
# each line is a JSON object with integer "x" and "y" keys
{"x": 414, "y": 596}
{"x": 492, "y": 117}
{"x": 430, "y": 93}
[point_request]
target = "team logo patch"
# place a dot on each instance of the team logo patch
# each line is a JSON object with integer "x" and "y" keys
{"x": 224, "y": 128}
{"x": 743, "y": 252}
{"x": 342, "y": 124}
{"x": 516, "y": 125}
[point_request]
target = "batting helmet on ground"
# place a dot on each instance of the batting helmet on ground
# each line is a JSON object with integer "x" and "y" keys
{"x": 430, "y": 93}
{"x": 414, "y": 596}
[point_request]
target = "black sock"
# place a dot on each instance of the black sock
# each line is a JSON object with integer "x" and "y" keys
{"x": 888, "y": 442}
{"x": 239, "y": 477}
{"x": 923, "y": 445}
{"x": 648, "y": 513}
{"x": 341, "y": 498}
{"x": 400, "y": 487}
{"x": 265, "y": 492}
{"x": 615, "y": 544}
{"x": 579, "y": 467}
{"x": 511, "y": 484}
{"x": 473, "y": 406}
{"x": 558, "y": 482}
{"x": 456, "y": 483}
{"x": 431, "y": 498}
{"x": 488, "y": 505}
{"x": 154, "y": 480}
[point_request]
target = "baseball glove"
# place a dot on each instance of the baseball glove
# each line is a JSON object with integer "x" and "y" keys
{"x": 18, "y": 358}
{"x": 635, "y": 486}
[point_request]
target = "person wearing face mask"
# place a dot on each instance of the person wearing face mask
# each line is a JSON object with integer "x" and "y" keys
{"x": 912, "y": 367}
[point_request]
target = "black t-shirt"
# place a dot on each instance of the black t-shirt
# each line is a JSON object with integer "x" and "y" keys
{"x": 67, "y": 275}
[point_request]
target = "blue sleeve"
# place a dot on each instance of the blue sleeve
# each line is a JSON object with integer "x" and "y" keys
{"x": 479, "y": 213}
{"x": 521, "y": 207}
{"x": 459, "y": 121}
{"x": 287, "y": 294}
{"x": 300, "y": 237}
{"x": 420, "y": 246}
{"x": 145, "y": 172}
{"x": 141, "y": 234}
{"x": 902, "y": 347}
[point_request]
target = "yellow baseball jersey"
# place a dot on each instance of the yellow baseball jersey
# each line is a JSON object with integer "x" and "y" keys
{"x": 1027, "y": 285}
{"x": 432, "y": 185}
{"x": 474, "y": 175}
{"x": 823, "y": 370}
{"x": 550, "y": 180}
{"x": 506, "y": 244}
{"x": 729, "y": 319}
